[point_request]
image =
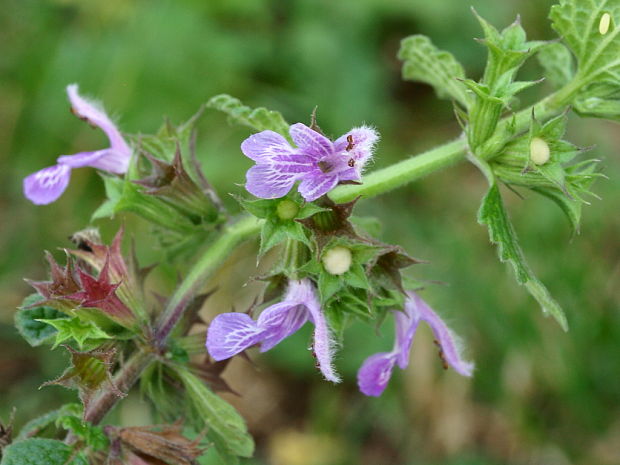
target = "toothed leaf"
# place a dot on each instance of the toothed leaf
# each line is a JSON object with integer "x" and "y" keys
{"x": 501, "y": 232}
{"x": 426, "y": 63}
{"x": 259, "y": 119}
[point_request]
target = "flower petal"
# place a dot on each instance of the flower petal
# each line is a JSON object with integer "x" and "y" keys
{"x": 109, "y": 160}
{"x": 363, "y": 140}
{"x": 375, "y": 373}
{"x": 316, "y": 184}
{"x": 406, "y": 324}
{"x": 46, "y": 185}
{"x": 231, "y": 333}
{"x": 280, "y": 321}
{"x": 448, "y": 341}
{"x": 311, "y": 142}
{"x": 93, "y": 114}
{"x": 266, "y": 182}
{"x": 265, "y": 145}
{"x": 323, "y": 345}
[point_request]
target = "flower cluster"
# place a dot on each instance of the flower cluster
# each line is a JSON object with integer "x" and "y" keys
{"x": 232, "y": 333}
{"x": 47, "y": 185}
{"x": 317, "y": 162}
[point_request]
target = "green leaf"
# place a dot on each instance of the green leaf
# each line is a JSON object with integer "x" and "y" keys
{"x": 226, "y": 427}
{"x": 557, "y": 63}
{"x": 27, "y": 321}
{"x": 34, "y": 426}
{"x": 36, "y": 451}
{"x": 425, "y": 62}
{"x": 113, "y": 190}
{"x": 93, "y": 436}
{"x": 501, "y": 232}
{"x": 276, "y": 232}
{"x": 598, "y": 55}
{"x": 309, "y": 209}
{"x": 599, "y": 100}
{"x": 259, "y": 119}
{"x": 508, "y": 50}
{"x": 126, "y": 196}
{"x": 75, "y": 329}
{"x": 329, "y": 285}
{"x": 356, "y": 277}
{"x": 260, "y": 208}
{"x": 570, "y": 207}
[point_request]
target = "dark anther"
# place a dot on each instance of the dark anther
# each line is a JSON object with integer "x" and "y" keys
{"x": 350, "y": 143}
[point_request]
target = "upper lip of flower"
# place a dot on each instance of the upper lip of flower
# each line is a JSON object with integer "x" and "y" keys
{"x": 46, "y": 185}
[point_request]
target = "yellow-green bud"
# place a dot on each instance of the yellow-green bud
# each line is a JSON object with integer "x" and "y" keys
{"x": 539, "y": 151}
{"x": 337, "y": 260}
{"x": 603, "y": 25}
{"x": 287, "y": 209}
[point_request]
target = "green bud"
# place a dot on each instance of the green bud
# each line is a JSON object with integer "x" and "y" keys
{"x": 287, "y": 209}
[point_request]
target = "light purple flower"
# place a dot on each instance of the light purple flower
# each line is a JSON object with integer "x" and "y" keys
{"x": 232, "y": 333}
{"x": 46, "y": 185}
{"x": 317, "y": 162}
{"x": 375, "y": 373}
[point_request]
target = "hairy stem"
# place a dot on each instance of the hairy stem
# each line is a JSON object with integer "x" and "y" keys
{"x": 403, "y": 172}
{"x": 202, "y": 269}
{"x": 124, "y": 379}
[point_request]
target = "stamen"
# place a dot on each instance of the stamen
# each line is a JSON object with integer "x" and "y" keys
{"x": 444, "y": 362}
{"x": 350, "y": 143}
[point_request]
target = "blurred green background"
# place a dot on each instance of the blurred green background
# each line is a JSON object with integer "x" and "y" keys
{"x": 538, "y": 396}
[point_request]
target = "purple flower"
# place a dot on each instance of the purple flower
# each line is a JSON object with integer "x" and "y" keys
{"x": 232, "y": 333}
{"x": 317, "y": 162}
{"x": 375, "y": 373}
{"x": 46, "y": 185}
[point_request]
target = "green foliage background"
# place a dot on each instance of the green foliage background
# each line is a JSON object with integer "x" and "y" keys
{"x": 538, "y": 395}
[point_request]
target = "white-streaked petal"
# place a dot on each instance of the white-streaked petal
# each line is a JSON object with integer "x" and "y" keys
{"x": 46, "y": 185}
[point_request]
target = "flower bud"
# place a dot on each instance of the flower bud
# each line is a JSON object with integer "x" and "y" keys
{"x": 337, "y": 260}
{"x": 287, "y": 209}
{"x": 539, "y": 151}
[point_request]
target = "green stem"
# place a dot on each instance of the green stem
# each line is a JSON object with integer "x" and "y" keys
{"x": 124, "y": 379}
{"x": 216, "y": 253}
{"x": 403, "y": 172}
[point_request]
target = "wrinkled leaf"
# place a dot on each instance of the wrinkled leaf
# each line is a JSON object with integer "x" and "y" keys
{"x": 226, "y": 427}
{"x": 425, "y": 62}
{"x": 37, "y": 451}
{"x": 598, "y": 55}
{"x": 557, "y": 63}
{"x": 34, "y": 426}
{"x": 501, "y": 232}
{"x": 259, "y": 119}
{"x": 75, "y": 329}
{"x": 27, "y": 321}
